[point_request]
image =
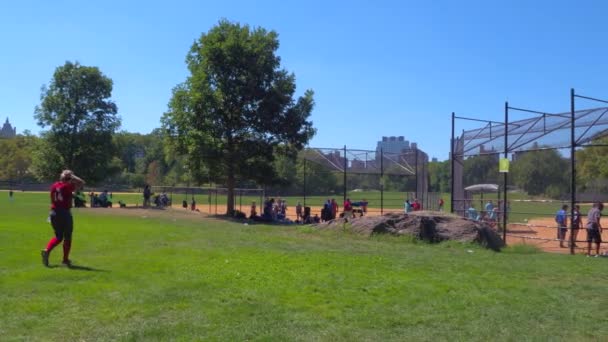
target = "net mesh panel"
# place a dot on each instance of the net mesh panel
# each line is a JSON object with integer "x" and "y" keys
{"x": 545, "y": 140}
{"x": 211, "y": 200}
{"x": 543, "y": 131}
{"x": 405, "y": 172}
{"x": 458, "y": 172}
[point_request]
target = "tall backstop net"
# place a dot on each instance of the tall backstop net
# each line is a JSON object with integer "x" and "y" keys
{"x": 381, "y": 179}
{"x": 550, "y": 160}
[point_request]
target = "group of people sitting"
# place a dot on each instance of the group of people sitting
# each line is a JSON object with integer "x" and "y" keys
{"x": 160, "y": 201}
{"x": 490, "y": 214}
{"x": 103, "y": 200}
{"x": 276, "y": 211}
{"x": 272, "y": 211}
{"x": 350, "y": 209}
{"x": 414, "y": 205}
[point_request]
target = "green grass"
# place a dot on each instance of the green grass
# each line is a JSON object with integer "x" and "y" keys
{"x": 178, "y": 278}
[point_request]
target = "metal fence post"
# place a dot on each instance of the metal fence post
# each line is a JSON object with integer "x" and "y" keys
{"x": 345, "y": 166}
{"x": 381, "y": 181}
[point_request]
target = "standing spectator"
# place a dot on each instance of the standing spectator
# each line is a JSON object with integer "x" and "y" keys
{"x": 562, "y": 219}
{"x": 408, "y": 206}
{"x": 299, "y": 212}
{"x": 489, "y": 208}
{"x": 61, "y": 216}
{"x": 348, "y": 209}
{"x": 10, "y": 195}
{"x": 326, "y": 211}
{"x": 275, "y": 209}
{"x": 334, "y": 208}
{"x": 594, "y": 228}
{"x": 147, "y": 195}
{"x": 253, "y": 212}
{"x": 576, "y": 225}
{"x": 472, "y": 213}
{"x": 416, "y": 206}
{"x": 441, "y": 203}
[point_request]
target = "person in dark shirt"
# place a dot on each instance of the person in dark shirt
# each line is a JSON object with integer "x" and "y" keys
{"x": 594, "y": 228}
{"x": 577, "y": 224}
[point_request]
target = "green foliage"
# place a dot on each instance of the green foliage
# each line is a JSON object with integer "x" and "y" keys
{"x": 481, "y": 169}
{"x": 592, "y": 166}
{"x": 439, "y": 174}
{"x": 81, "y": 118}
{"x": 46, "y": 160}
{"x": 541, "y": 172}
{"x": 16, "y": 157}
{"x": 237, "y": 106}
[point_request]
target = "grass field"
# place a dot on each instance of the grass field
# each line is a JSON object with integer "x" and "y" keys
{"x": 170, "y": 275}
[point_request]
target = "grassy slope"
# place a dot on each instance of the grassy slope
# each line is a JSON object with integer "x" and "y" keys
{"x": 155, "y": 279}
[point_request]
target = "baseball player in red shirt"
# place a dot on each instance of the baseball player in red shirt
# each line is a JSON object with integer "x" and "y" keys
{"x": 61, "y": 217}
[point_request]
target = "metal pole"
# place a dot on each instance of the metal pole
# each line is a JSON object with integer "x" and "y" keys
{"x": 506, "y": 176}
{"x": 241, "y": 200}
{"x": 424, "y": 185}
{"x": 572, "y": 168}
{"x": 381, "y": 181}
{"x": 216, "y": 201}
{"x": 305, "y": 182}
{"x": 345, "y": 166}
{"x": 416, "y": 167}
{"x": 452, "y": 165}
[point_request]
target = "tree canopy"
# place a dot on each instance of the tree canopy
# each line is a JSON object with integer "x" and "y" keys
{"x": 542, "y": 172}
{"x": 237, "y": 107}
{"x": 81, "y": 118}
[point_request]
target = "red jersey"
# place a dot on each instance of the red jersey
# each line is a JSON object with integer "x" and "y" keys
{"x": 347, "y": 206}
{"x": 61, "y": 195}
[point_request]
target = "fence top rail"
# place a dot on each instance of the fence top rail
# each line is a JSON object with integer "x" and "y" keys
{"x": 203, "y": 188}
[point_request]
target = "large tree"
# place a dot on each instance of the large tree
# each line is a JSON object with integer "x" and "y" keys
{"x": 542, "y": 172}
{"x": 592, "y": 166}
{"x": 237, "y": 107}
{"x": 439, "y": 174}
{"x": 81, "y": 119}
{"x": 16, "y": 157}
{"x": 481, "y": 169}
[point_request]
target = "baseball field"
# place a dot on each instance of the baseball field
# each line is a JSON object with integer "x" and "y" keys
{"x": 149, "y": 274}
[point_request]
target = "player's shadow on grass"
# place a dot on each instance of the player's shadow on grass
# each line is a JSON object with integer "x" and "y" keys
{"x": 86, "y": 268}
{"x": 80, "y": 268}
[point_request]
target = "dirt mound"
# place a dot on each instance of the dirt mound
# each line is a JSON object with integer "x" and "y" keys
{"x": 425, "y": 225}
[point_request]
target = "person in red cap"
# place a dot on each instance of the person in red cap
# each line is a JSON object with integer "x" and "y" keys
{"x": 61, "y": 217}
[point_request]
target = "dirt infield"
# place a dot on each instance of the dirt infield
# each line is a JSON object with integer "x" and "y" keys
{"x": 291, "y": 211}
{"x": 542, "y": 232}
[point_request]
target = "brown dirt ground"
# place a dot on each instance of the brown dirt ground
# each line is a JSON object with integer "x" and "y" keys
{"x": 515, "y": 232}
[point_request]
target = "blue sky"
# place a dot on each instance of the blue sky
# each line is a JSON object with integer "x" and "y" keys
{"x": 377, "y": 67}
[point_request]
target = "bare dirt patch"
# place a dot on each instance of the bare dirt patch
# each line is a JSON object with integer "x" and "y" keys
{"x": 542, "y": 233}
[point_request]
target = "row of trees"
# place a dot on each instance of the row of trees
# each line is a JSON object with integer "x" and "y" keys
{"x": 234, "y": 121}
{"x": 234, "y": 114}
{"x": 542, "y": 172}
